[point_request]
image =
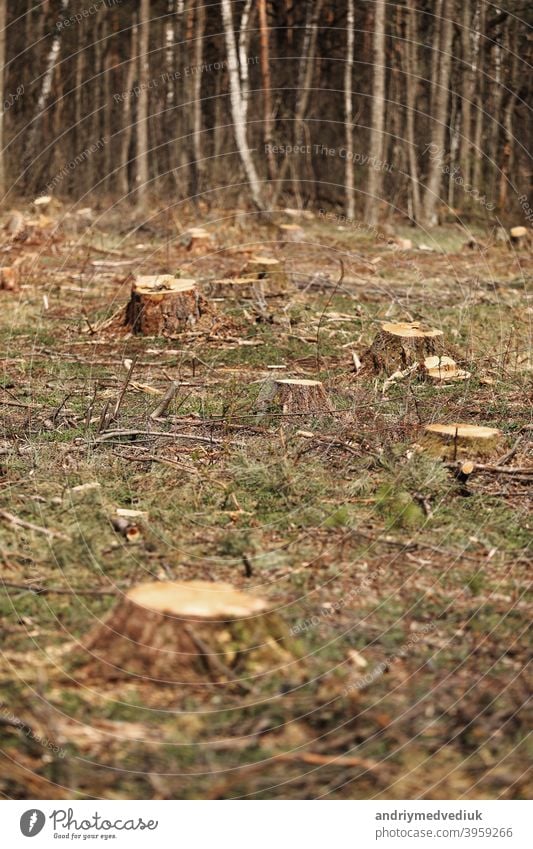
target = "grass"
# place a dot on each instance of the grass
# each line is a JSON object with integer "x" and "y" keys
{"x": 346, "y": 527}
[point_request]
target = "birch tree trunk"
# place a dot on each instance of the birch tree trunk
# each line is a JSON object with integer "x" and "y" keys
{"x": 51, "y": 62}
{"x": 142, "y": 106}
{"x": 244, "y": 46}
{"x": 237, "y": 107}
{"x": 378, "y": 109}
{"x": 439, "y": 117}
{"x": 348, "y": 109}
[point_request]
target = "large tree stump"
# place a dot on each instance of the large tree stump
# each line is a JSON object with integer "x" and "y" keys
{"x": 187, "y": 633}
{"x": 400, "y": 345}
{"x": 453, "y": 441}
{"x": 162, "y": 305}
{"x": 292, "y": 396}
{"x": 268, "y": 270}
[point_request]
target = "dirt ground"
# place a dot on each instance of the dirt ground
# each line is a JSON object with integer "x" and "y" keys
{"x": 402, "y": 589}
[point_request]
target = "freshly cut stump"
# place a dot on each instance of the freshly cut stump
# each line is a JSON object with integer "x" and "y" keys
{"x": 268, "y": 270}
{"x": 162, "y": 305}
{"x": 293, "y": 396}
{"x": 453, "y": 441}
{"x": 197, "y": 237}
{"x": 443, "y": 370}
{"x": 518, "y": 235}
{"x": 193, "y": 632}
{"x": 400, "y": 345}
{"x": 235, "y": 288}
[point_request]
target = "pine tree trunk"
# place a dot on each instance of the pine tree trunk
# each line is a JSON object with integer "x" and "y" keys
{"x": 142, "y": 106}
{"x": 3, "y": 18}
{"x": 376, "y": 145}
{"x": 411, "y": 82}
{"x": 348, "y": 110}
{"x": 439, "y": 115}
{"x": 266, "y": 85}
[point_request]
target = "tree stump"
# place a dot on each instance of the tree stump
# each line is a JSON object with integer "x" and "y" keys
{"x": 236, "y": 288}
{"x": 162, "y": 305}
{"x": 193, "y": 632}
{"x": 518, "y": 236}
{"x": 269, "y": 270}
{"x": 400, "y": 345}
{"x": 9, "y": 278}
{"x": 290, "y": 233}
{"x": 453, "y": 441}
{"x": 197, "y": 237}
{"x": 443, "y": 370}
{"x": 291, "y": 396}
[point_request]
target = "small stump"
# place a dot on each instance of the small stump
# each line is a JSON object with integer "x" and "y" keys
{"x": 197, "y": 237}
{"x": 162, "y": 305}
{"x": 9, "y": 278}
{"x": 236, "y": 288}
{"x": 193, "y": 632}
{"x": 453, "y": 441}
{"x": 518, "y": 236}
{"x": 400, "y": 345}
{"x": 294, "y": 396}
{"x": 269, "y": 271}
{"x": 290, "y": 233}
{"x": 443, "y": 370}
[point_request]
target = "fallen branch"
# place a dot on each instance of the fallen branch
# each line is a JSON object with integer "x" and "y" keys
{"x": 40, "y": 590}
{"x": 14, "y": 520}
{"x": 115, "y": 434}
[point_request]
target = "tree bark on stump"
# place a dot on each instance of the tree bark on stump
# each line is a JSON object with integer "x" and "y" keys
{"x": 453, "y": 441}
{"x": 291, "y": 396}
{"x": 269, "y": 270}
{"x": 9, "y": 278}
{"x": 400, "y": 345}
{"x": 193, "y": 632}
{"x": 162, "y": 305}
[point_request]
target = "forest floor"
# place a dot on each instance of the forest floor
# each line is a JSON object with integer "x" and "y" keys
{"x": 411, "y": 625}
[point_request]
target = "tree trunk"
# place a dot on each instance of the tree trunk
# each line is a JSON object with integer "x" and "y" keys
{"x": 348, "y": 110}
{"x": 411, "y": 83}
{"x": 48, "y": 76}
{"x": 3, "y": 18}
{"x": 142, "y": 176}
{"x": 197, "y": 99}
{"x": 439, "y": 116}
{"x": 125, "y": 142}
{"x": 467, "y": 95}
{"x": 237, "y": 107}
{"x": 378, "y": 110}
{"x": 267, "y": 86}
